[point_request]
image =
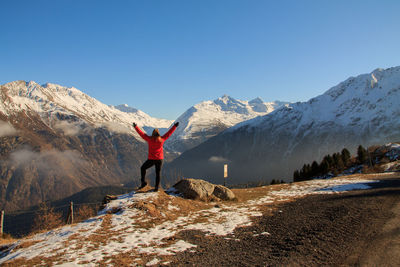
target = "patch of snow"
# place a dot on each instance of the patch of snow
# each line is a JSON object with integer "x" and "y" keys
{"x": 323, "y": 187}
{"x": 223, "y": 222}
{"x": 391, "y": 166}
{"x": 172, "y": 207}
{"x": 67, "y": 265}
{"x": 347, "y": 187}
{"x": 153, "y": 262}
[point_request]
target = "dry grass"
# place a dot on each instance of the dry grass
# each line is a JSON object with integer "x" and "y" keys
{"x": 7, "y": 239}
{"x": 84, "y": 212}
{"x": 157, "y": 210}
{"x": 246, "y": 194}
{"x": 71, "y": 238}
{"x": 46, "y": 219}
{"x": 27, "y": 244}
{"x": 37, "y": 261}
{"x": 375, "y": 176}
{"x": 101, "y": 236}
{"x": 131, "y": 258}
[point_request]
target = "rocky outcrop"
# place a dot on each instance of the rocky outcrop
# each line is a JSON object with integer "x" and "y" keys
{"x": 203, "y": 190}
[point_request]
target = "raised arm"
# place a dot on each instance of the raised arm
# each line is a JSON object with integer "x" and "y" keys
{"x": 170, "y": 131}
{"x": 140, "y": 132}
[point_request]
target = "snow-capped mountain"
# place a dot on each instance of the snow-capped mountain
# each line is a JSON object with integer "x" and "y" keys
{"x": 208, "y": 118}
{"x": 361, "y": 110}
{"x": 56, "y": 141}
{"x": 51, "y": 99}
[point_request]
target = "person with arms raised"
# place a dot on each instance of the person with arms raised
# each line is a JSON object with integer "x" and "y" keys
{"x": 156, "y": 152}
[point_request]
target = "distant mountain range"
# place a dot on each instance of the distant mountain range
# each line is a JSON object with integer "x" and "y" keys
{"x": 209, "y": 118}
{"x": 361, "y": 110}
{"x": 56, "y": 141}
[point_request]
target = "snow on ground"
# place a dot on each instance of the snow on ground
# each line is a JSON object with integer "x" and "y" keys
{"x": 392, "y": 166}
{"x": 107, "y": 235}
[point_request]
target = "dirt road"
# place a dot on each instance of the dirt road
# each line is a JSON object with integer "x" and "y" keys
{"x": 359, "y": 228}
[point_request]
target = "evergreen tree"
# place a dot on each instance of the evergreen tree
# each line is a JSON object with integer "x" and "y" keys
{"x": 338, "y": 162}
{"x": 296, "y": 176}
{"x": 329, "y": 160}
{"x": 303, "y": 172}
{"x": 362, "y": 154}
{"x": 308, "y": 171}
{"x": 314, "y": 169}
{"x": 324, "y": 167}
{"x": 346, "y": 157}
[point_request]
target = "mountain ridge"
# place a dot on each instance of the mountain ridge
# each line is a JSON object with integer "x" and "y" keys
{"x": 208, "y": 118}
{"x": 52, "y": 98}
{"x": 361, "y": 110}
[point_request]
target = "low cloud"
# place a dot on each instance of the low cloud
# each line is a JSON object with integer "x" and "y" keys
{"x": 117, "y": 128}
{"x": 46, "y": 161}
{"x": 6, "y": 129}
{"x": 68, "y": 128}
{"x": 23, "y": 156}
{"x": 217, "y": 159}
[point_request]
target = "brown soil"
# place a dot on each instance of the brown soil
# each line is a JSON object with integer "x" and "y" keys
{"x": 358, "y": 228}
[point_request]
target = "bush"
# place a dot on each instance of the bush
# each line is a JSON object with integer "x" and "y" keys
{"x": 372, "y": 169}
{"x": 84, "y": 212}
{"x": 6, "y": 239}
{"x": 46, "y": 219}
{"x": 384, "y": 160}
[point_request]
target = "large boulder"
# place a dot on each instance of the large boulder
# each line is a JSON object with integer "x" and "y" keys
{"x": 223, "y": 193}
{"x": 203, "y": 190}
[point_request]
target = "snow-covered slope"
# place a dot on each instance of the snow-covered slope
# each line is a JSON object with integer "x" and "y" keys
{"x": 143, "y": 229}
{"x": 51, "y": 99}
{"x": 363, "y": 101}
{"x": 361, "y": 110}
{"x": 209, "y": 118}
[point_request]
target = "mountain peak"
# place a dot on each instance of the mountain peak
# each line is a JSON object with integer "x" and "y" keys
{"x": 225, "y": 98}
{"x": 228, "y": 103}
{"x": 47, "y": 85}
{"x": 256, "y": 100}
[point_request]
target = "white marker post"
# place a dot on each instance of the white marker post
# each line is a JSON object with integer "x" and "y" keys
{"x": 225, "y": 173}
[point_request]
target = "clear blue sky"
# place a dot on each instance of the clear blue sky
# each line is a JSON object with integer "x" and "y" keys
{"x": 165, "y": 56}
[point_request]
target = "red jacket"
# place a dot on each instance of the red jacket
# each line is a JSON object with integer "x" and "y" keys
{"x": 156, "y": 150}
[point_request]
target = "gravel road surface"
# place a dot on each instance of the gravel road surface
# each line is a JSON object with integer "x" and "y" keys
{"x": 357, "y": 228}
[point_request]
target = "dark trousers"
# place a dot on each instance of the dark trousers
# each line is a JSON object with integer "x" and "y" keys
{"x": 149, "y": 163}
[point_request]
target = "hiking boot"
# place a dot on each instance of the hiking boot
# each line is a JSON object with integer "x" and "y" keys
{"x": 142, "y": 186}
